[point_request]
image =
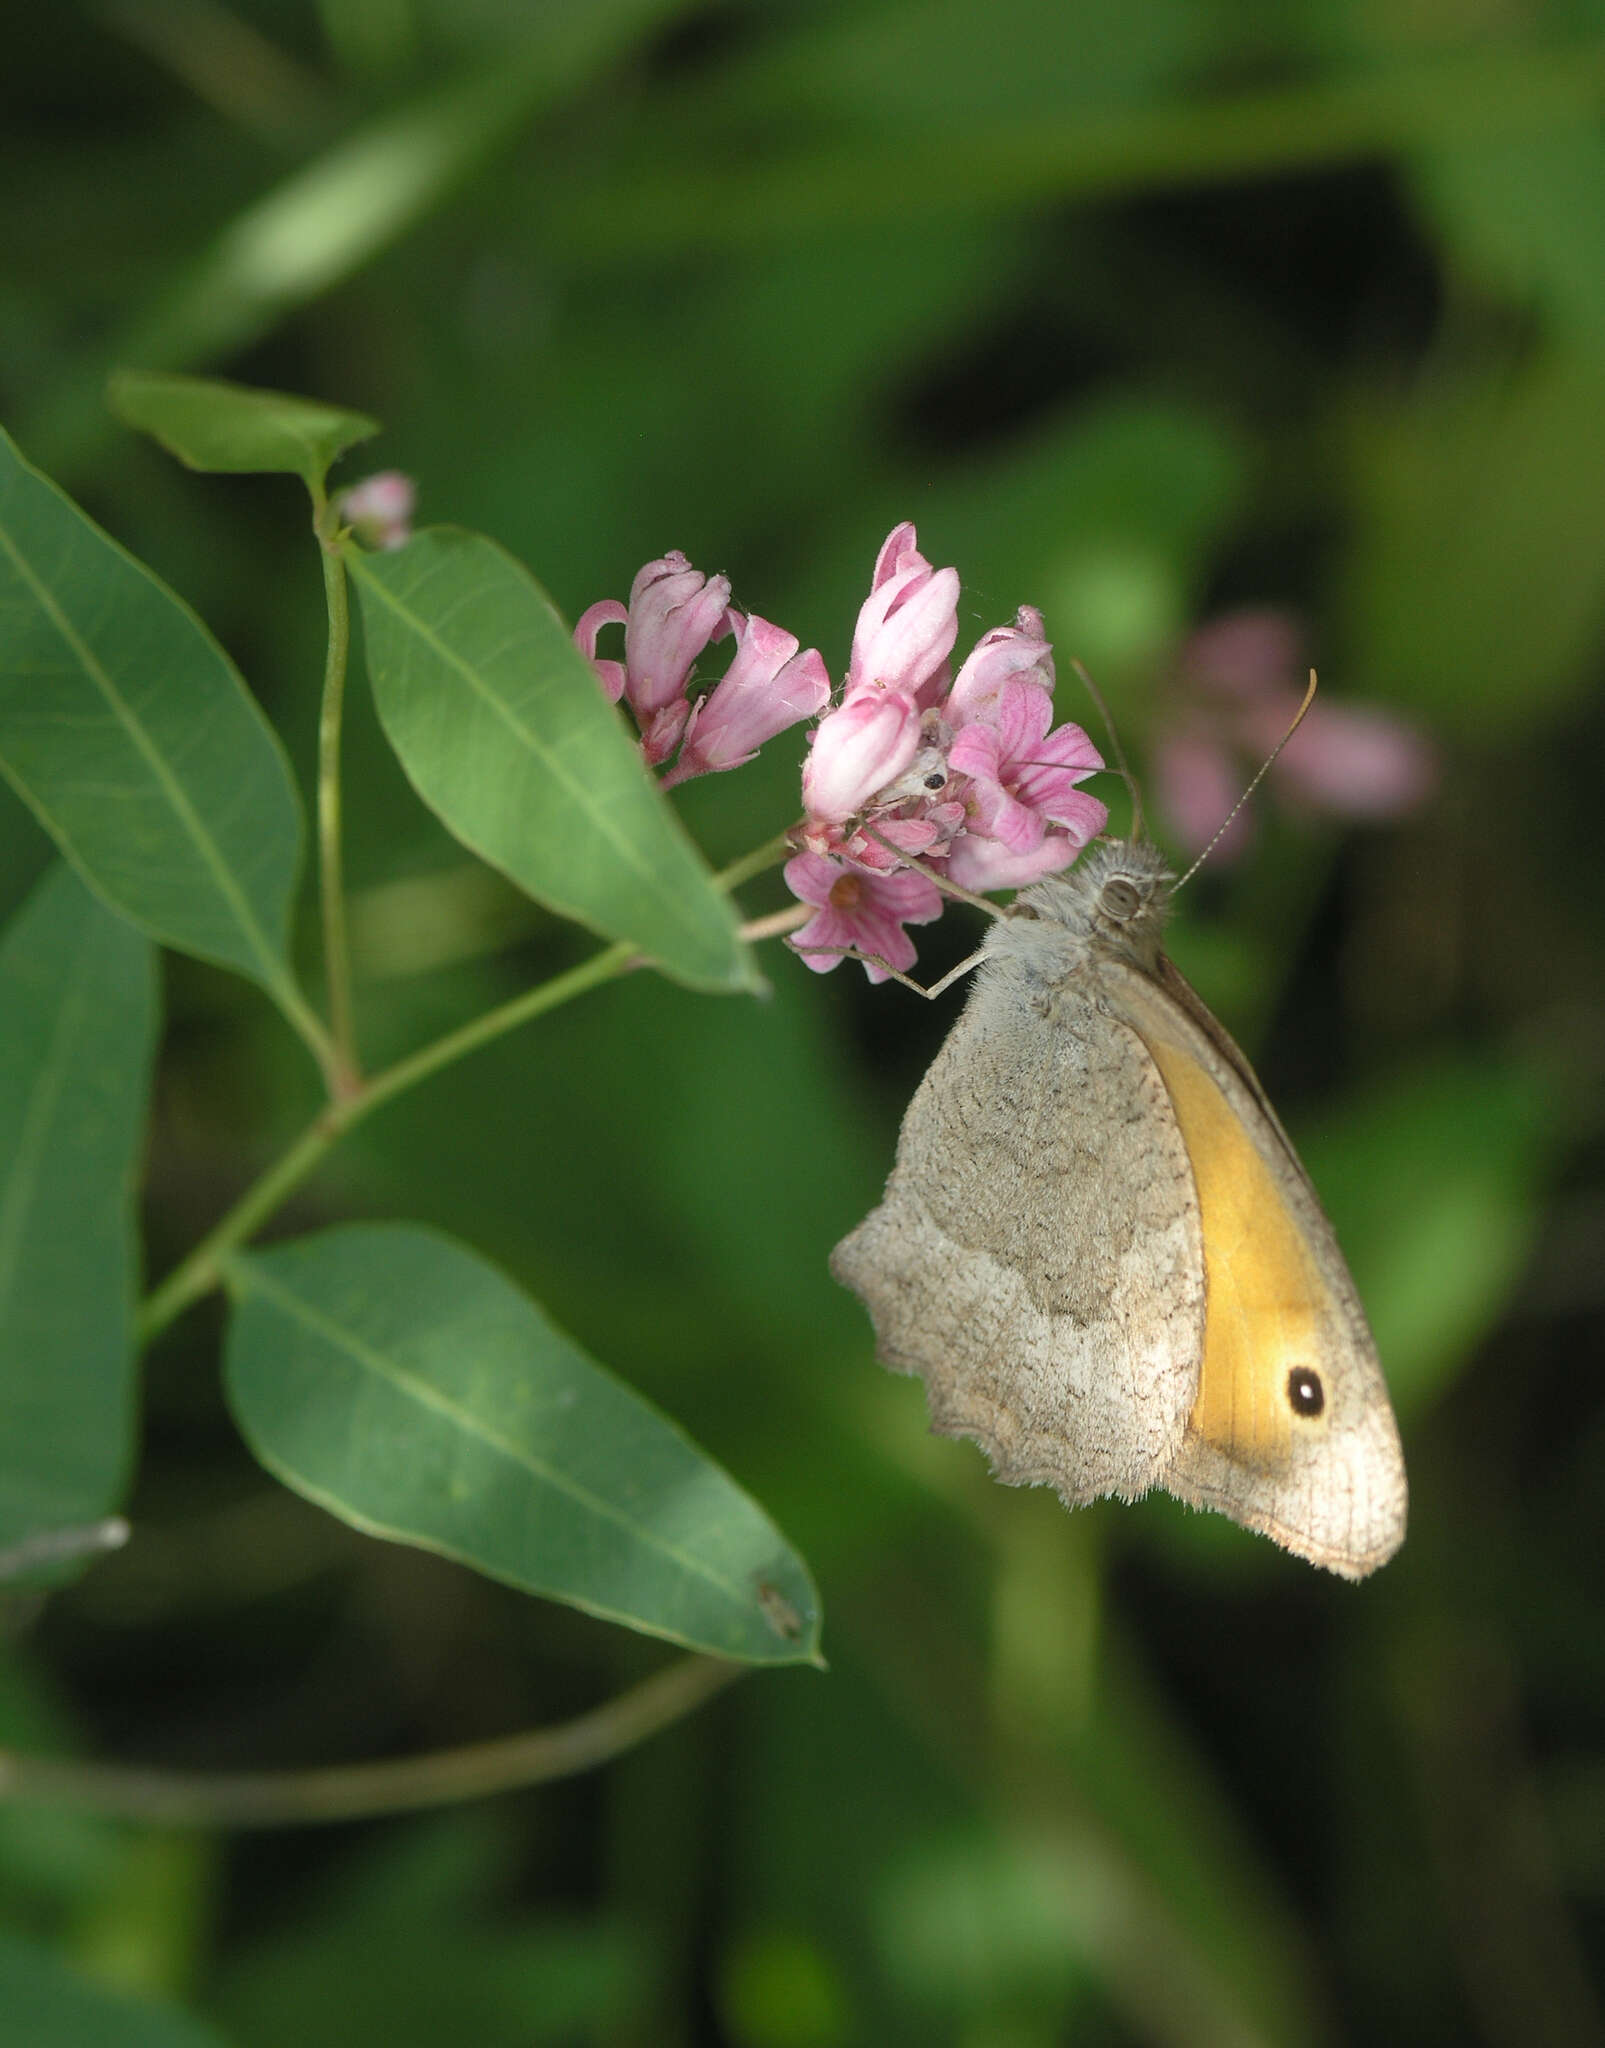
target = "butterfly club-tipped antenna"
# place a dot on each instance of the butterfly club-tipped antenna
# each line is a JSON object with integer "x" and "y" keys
{"x": 1122, "y": 765}
{"x": 1258, "y": 777}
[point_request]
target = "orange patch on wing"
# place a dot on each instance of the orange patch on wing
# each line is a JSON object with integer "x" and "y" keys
{"x": 1263, "y": 1291}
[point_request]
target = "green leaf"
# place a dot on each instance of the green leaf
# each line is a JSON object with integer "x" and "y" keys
{"x": 45, "y": 2004}
{"x": 1479, "y": 543}
{"x": 498, "y": 720}
{"x": 128, "y": 730}
{"x": 408, "y": 1387}
{"x": 213, "y": 425}
{"x": 77, "y": 1028}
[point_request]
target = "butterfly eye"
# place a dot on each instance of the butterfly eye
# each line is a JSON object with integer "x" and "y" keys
{"x": 1305, "y": 1394}
{"x": 1119, "y": 900}
{"x": 936, "y": 779}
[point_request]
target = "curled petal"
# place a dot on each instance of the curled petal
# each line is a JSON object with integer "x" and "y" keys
{"x": 607, "y": 612}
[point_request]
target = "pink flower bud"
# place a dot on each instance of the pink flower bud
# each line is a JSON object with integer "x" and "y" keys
{"x": 674, "y": 612}
{"x": 907, "y": 624}
{"x": 768, "y": 686}
{"x": 379, "y": 509}
{"x": 861, "y": 746}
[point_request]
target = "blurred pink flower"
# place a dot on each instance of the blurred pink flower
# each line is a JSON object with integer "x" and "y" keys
{"x": 768, "y": 686}
{"x": 1346, "y": 759}
{"x": 379, "y": 508}
{"x": 859, "y": 912}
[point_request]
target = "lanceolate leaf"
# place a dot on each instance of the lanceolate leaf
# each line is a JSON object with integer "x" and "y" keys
{"x": 407, "y": 1386}
{"x": 499, "y": 722}
{"x": 209, "y": 424}
{"x": 128, "y": 730}
{"x": 77, "y": 1025}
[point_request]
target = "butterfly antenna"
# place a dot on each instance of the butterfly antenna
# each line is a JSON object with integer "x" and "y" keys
{"x": 1115, "y": 748}
{"x": 1259, "y": 776}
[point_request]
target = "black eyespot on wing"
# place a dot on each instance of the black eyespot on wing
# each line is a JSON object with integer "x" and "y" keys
{"x": 1305, "y": 1393}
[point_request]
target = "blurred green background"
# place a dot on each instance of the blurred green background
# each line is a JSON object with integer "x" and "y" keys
{"x": 1144, "y": 310}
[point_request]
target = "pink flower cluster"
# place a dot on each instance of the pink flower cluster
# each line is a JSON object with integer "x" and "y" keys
{"x": 674, "y": 615}
{"x": 1237, "y": 699}
{"x": 965, "y": 774}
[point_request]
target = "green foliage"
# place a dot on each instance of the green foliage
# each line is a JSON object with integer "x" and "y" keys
{"x": 407, "y": 1386}
{"x": 147, "y": 762}
{"x": 1145, "y": 312}
{"x": 497, "y": 719}
{"x": 48, "y": 2005}
{"x": 210, "y": 424}
{"x": 77, "y": 1031}
{"x": 508, "y": 1979}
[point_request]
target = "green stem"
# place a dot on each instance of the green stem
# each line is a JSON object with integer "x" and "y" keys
{"x": 297, "y": 1798}
{"x": 199, "y": 1272}
{"x": 331, "y": 884}
{"x": 755, "y": 863}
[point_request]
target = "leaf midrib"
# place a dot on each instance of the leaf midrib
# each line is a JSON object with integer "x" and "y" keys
{"x": 543, "y": 752}
{"x": 268, "y": 964}
{"x": 299, "y": 1310}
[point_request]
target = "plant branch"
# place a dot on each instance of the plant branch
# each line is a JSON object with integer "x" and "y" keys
{"x": 197, "y": 1274}
{"x": 300, "y": 1798}
{"x": 331, "y": 883}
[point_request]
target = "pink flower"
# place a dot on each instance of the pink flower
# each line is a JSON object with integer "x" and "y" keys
{"x": 907, "y": 624}
{"x": 1197, "y": 781}
{"x": 1349, "y": 760}
{"x": 606, "y": 612}
{"x": 1023, "y": 777}
{"x": 674, "y": 612}
{"x": 865, "y": 743}
{"x": 379, "y": 509}
{"x": 859, "y": 913}
{"x": 768, "y": 686}
{"x": 1354, "y": 760}
{"x": 979, "y": 863}
{"x": 1007, "y": 653}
